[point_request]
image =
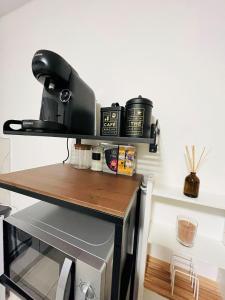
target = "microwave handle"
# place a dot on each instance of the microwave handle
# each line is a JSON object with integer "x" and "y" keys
{"x": 63, "y": 279}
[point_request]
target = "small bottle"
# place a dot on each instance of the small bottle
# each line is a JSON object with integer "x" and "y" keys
{"x": 191, "y": 185}
{"x": 96, "y": 162}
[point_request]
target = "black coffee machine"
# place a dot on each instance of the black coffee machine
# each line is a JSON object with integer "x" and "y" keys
{"x": 68, "y": 103}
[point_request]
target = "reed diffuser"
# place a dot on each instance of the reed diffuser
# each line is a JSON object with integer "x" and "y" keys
{"x": 192, "y": 182}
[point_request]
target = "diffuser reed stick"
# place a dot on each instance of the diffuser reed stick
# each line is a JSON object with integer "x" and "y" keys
{"x": 198, "y": 164}
{"x": 193, "y": 158}
{"x": 188, "y": 158}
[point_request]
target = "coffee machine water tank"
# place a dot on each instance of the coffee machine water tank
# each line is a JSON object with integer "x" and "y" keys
{"x": 67, "y": 101}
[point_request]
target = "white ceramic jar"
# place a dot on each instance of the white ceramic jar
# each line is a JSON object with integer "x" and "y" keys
{"x": 96, "y": 162}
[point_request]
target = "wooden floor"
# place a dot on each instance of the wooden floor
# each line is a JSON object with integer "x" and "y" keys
{"x": 150, "y": 295}
{"x": 157, "y": 279}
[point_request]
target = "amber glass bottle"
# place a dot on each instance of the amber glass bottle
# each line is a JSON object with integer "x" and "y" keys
{"x": 191, "y": 185}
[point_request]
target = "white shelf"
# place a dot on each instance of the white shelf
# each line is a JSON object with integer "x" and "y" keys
{"x": 205, "y": 249}
{"x": 204, "y": 199}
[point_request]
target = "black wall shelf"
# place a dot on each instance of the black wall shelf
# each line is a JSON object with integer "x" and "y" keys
{"x": 151, "y": 141}
{"x": 83, "y": 137}
{"x": 126, "y": 140}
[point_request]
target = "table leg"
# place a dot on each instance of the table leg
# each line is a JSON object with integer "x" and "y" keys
{"x": 135, "y": 246}
{"x": 117, "y": 262}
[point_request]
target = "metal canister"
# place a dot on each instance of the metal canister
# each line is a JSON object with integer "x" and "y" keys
{"x": 112, "y": 120}
{"x": 138, "y": 117}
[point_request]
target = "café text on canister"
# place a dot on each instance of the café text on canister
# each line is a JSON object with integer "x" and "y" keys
{"x": 138, "y": 117}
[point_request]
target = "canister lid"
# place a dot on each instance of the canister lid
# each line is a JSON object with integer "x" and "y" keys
{"x": 140, "y": 100}
{"x": 82, "y": 146}
{"x": 114, "y": 106}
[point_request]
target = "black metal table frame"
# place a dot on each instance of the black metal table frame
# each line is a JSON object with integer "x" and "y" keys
{"x": 116, "y": 292}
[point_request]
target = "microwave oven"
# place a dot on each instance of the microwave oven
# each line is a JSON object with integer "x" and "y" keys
{"x": 54, "y": 253}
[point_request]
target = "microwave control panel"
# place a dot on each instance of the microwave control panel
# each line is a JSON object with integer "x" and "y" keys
{"x": 90, "y": 282}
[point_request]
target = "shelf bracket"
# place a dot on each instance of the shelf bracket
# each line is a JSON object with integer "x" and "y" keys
{"x": 154, "y": 138}
{"x": 78, "y": 141}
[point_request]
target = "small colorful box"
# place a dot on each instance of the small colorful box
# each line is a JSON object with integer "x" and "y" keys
{"x": 127, "y": 160}
{"x": 110, "y": 158}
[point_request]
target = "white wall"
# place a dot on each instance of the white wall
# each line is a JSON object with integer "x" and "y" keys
{"x": 170, "y": 51}
{"x": 4, "y": 167}
{"x": 1, "y": 248}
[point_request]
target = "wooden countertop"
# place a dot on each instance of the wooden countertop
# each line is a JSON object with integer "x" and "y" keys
{"x": 106, "y": 193}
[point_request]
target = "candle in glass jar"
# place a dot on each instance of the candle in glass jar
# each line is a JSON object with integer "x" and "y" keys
{"x": 186, "y": 230}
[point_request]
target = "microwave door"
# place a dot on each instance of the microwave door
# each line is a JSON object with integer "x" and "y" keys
{"x": 36, "y": 267}
{"x": 7, "y": 292}
{"x": 66, "y": 282}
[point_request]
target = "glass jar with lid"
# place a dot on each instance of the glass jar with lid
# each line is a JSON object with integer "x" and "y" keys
{"x": 82, "y": 156}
